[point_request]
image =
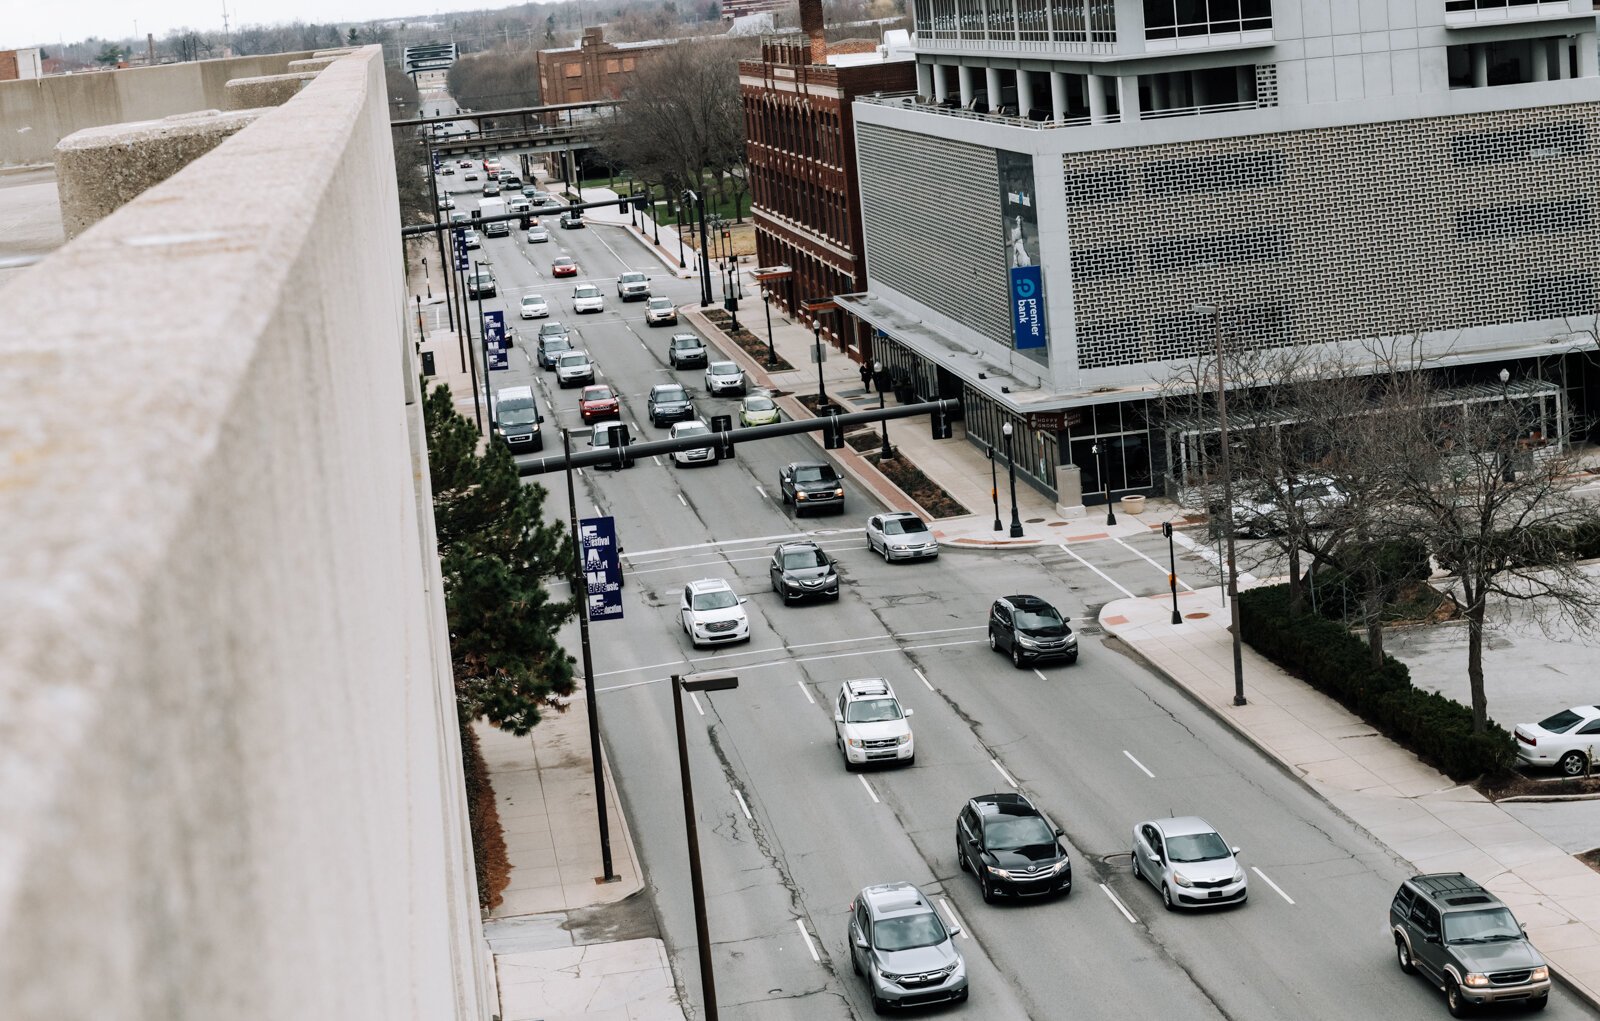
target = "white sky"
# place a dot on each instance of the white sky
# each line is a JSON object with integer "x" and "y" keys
{"x": 25, "y": 23}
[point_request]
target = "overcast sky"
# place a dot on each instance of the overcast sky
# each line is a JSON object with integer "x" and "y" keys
{"x": 24, "y": 23}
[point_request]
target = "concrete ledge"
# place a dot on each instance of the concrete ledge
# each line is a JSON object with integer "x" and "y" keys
{"x": 311, "y": 63}
{"x": 268, "y": 90}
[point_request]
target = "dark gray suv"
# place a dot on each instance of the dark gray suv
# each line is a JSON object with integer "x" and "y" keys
{"x": 906, "y": 952}
{"x": 1466, "y": 942}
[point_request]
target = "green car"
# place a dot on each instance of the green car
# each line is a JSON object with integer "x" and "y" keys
{"x": 758, "y": 409}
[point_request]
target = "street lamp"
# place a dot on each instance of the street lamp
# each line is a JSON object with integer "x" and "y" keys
{"x": 1172, "y": 573}
{"x": 1507, "y": 472}
{"x": 1011, "y": 470}
{"x": 1105, "y": 483}
{"x": 483, "y": 345}
{"x": 772, "y": 352}
{"x": 1215, "y": 312}
{"x": 697, "y": 682}
{"x": 886, "y": 454}
{"x": 994, "y": 488}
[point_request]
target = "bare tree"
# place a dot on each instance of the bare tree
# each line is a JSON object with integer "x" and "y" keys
{"x": 497, "y": 80}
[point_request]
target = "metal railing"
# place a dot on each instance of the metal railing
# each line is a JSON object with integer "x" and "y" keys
{"x": 1191, "y": 111}
{"x": 907, "y": 101}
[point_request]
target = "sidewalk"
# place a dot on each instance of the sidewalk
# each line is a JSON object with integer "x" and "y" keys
{"x": 1422, "y": 815}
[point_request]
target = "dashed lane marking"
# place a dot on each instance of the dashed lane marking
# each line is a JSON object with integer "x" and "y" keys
{"x": 693, "y": 697}
{"x": 870, "y": 792}
{"x": 921, "y": 677}
{"x": 805, "y": 691}
{"x": 996, "y": 764}
{"x": 1119, "y": 905}
{"x": 742, "y": 806}
{"x": 1270, "y": 883}
{"x": 800, "y": 923}
{"x": 954, "y": 918}
{"x": 1136, "y": 762}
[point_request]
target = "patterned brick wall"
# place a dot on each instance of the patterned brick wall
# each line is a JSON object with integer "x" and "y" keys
{"x": 1305, "y": 237}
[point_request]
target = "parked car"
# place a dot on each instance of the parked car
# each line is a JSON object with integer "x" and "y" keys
{"x": 517, "y": 418}
{"x": 1319, "y": 500}
{"x": 1187, "y": 860}
{"x": 633, "y": 286}
{"x": 686, "y": 349}
{"x": 551, "y": 346}
{"x": 906, "y": 953}
{"x": 810, "y": 484}
{"x": 724, "y": 377}
{"x": 572, "y": 220}
{"x": 660, "y": 312}
{"x": 1466, "y": 942}
{"x": 1012, "y": 849}
{"x": 668, "y": 403}
{"x": 1030, "y": 630}
{"x": 588, "y": 298}
{"x": 1569, "y": 740}
{"x": 870, "y": 724}
{"x": 533, "y": 306}
{"x": 801, "y": 569}
{"x": 712, "y": 614}
{"x": 481, "y": 283}
{"x": 694, "y": 455}
{"x": 573, "y": 368}
{"x": 901, "y": 535}
{"x": 598, "y": 402}
{"x": 537, "y": 235}
{"x": 758, "y": 409}
{"x": 563, "y": 266}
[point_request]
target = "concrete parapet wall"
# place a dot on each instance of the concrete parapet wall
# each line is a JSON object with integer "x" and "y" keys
{"x": 100, "y": 169}
{"x": 230, "y": 785}
{"x": 267, "y": 90}
{"x": 312, "y": 63}
{"x": 37, "y": 114}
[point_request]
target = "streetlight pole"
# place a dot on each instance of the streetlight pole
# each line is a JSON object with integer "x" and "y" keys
{"x": 887, "y": 453}
{"x": 816, "y": 336}
{"x": 1105, "y": 483}
{"x": 697, "y": 682}
{"x": 1172, "y": 572}
{"x": 1011, "y": 471}
{"x": 1227, "y": 504}
{"x": 1507, "y": 472}
{"x": 580, "y": 591}
{"x": 483, "y": 345}
{"x": 677, "y": 225}
{"x": 994, "y": 488}
{"x": 772, "y": 352}
{"x": 704, "y": 258}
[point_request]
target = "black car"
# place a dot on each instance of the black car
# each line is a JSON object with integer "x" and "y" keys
{"x": 1031, "y": 630}
{"x": 572, "y": 220}
{"x": 668, "y": 403}
{"x": 808, "y": 484}
{"x": 1012, "y": 848}
{"x": 800, "y": 569}
{"x": 550, "y": 347}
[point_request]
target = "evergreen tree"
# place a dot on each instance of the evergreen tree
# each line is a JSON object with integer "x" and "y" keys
{"x": 498, "y": 556}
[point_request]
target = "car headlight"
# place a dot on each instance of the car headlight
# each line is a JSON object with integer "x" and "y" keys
{"x": 904, "y": 739}
{"x": 839, "y": 491}
{"x": 1238, "y": 875}
{"x": 994, "y": 871}
{"x": 1062, "y": 865}
{"x": 1178, "y": 877}
{"x": 1475, "y": 978}
{"x": 798, "y": 495}
{"x": 854, "y": 742}
{"x": 1026, "y": 642}
{"x": 1539, "y": 974}
{"x": 1072, "y": 640}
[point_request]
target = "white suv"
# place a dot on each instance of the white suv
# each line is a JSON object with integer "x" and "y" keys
{"x": 713, "y": 614}
{"x": 870, "y": 725}
{"x": 587, "y": 298}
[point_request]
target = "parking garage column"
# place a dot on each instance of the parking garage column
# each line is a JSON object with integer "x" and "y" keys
{"x": 924, "y": 79}
{"x": 1480, "y": 66}
{"x": 964, "y": 80}
{"x": 1588, "y": 56}
{"x": 1128, "y": 98}
{"x": 1058, "y": 96}
{"x": 992, "y": 98}
{"x": 1541, "y": 59}
{"x": 1096, "y": 87}
{"x": 941, "y": 84}
{"x": 1024, "y": 92}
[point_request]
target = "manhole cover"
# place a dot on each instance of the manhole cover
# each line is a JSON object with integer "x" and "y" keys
{"x": 1196, "y": 616}
{"x": 1058, "y": 524}
{"x": 1034, "y": 521}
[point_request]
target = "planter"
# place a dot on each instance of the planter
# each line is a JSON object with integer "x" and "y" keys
{"x": 1132, "y": 505}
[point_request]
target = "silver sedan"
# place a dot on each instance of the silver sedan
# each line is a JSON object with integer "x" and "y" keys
{"x": 900, "y": 535}
{"x": 1189, "y": 863}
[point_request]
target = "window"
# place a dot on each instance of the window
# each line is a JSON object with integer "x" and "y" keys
{"x": 1169, "y": 19}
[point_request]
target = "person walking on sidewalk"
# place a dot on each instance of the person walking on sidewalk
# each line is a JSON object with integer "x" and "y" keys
{"x": 866, "y": 376}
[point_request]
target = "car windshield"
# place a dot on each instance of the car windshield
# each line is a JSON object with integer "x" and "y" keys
{"x": 693, "y": 430}
{"x": 715, "y": 600}
{"x": 632, "y": 278}
{"x": 586, "y": 291}
{"x": 758, "y": 404}
{"x": 574, "y": 358}
{"x": 556, "y": 343}
{"x": 903, "y": 526}
{"x": 660, "y": 302}
{"x": 1561, "y": 722}
{"x": 563, "y": 262}
{"x": 599, "y": 393}
{"x": 1197, "y": 847}
{"x": 671, "y": 393}
{"x": 814, "y": 473}
{"x": 685, "y": 342}
{"x": 873, "y": 710}
{"x": 724, "y": 369}
{"x": 533, "y": 299}
{"x": 1031, "y": 620}
{"x": 908, "y": 932}
{"x": 516, "y": 413}
{"x": 1016, "y": 831}
{"x": 798, "y": 560}
{"x": 1491, "y": 925}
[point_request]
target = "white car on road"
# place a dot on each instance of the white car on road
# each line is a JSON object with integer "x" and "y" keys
{"x": 588, "y": 298}
{"x": 695, "y": 455}
{"x": 534, "y": 307}
{"x": 870, "y": 725}
{"x": 724, "y": 377}
{"x": 712, "y": 614}
{"x": 573, "y": 368}
{"x": 900, "y": 535}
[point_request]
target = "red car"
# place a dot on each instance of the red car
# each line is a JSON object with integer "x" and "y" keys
{"x": 598, "y": 402}
{"x": 564, "y": 267}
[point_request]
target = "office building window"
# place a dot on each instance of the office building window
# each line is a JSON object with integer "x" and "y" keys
{"x": 1168, "y": 19}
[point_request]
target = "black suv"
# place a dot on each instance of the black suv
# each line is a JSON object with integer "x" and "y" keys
{"x": 1466, "y": 942}
{"x": 668, "y": 403}
{"x": 1031, "y": 630}
{"x": 551, "y": 346}
{"x": 1012, "y": 848}
{"x": 808, "y": 484}
{"x": 801, "y": 569}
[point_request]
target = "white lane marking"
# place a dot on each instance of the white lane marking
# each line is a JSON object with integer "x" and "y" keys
{"x": 922, "y": 678}
{"x": 1270, "y": 883}
{"x": 747, "y": 667}
{"x": 696, "y": 700}
{"x": 580, "y": 473}
{"x": 740, "y": 542}
{"x": 1209, "y": 555}
{"x": 744, "y": 807}
{"x": 870, "y": 792}
{"x": 1039, "y": 674}
{"x": 1136, "y": 762}
{"x": 763, "y": 492}
{"x": 682, "y": 500}
{"x": 1120, "y": 906}
{"x": 807, "y": 937}
{"x": 701, "y": 565}
{"x": 723, "y": 556}
{"x": 656, "y": 459}
{"x": 954, "y": 918}
{"x": 805, "y": 691}
{"x": 599, "y": 373}
{"x": 841, "y": 641}
{"x": 996, "y": 764}
{"x": 1152, "y": 563}
{"x": 597, "y": 512}
{"x": 636, "y": 669}
{"x": 1097, "y": 570}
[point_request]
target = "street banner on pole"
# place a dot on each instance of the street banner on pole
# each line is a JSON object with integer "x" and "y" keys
{"x": 494, "y": 339}
{"x": 602, "y": 567}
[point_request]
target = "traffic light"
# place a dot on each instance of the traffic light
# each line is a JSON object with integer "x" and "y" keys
{"x": 722, "y": 426}
{"x": 621, "y": 438}
{"x": 641, "y": 202}
{"x": 832, "y": 431}
{"x": 940, "y": 424}
{"x": 1166, "y": 529}
{"x": 622, "y": 203}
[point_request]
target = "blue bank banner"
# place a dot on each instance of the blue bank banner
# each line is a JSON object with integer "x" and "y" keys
{"x": 1027, "y": 307}
{"x": 494, "y": 339}
{"x": 459, "y": 243}
{"x": 602, "y": 567}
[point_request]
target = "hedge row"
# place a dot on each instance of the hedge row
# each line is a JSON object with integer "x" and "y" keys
{"x": 1327, "y": 656}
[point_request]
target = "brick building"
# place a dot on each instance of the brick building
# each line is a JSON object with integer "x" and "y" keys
{"x": 800, "y": 143}
{"x": 20, "y": 64}
{"x": 592, "y": 70}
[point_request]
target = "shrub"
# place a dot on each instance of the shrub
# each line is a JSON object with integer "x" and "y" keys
{"x": 1329, "y": 658}
{"x": 489, "y": 857}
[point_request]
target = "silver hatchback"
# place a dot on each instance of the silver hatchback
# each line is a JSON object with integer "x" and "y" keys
{"x": 904, "y": 949}
{"x": 1189, "y": 863}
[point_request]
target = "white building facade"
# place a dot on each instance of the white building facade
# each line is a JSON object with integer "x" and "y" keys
{"x": 1073, "y": 177}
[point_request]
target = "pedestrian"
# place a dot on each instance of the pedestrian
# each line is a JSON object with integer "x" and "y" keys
{"x": 866, "y": 376}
